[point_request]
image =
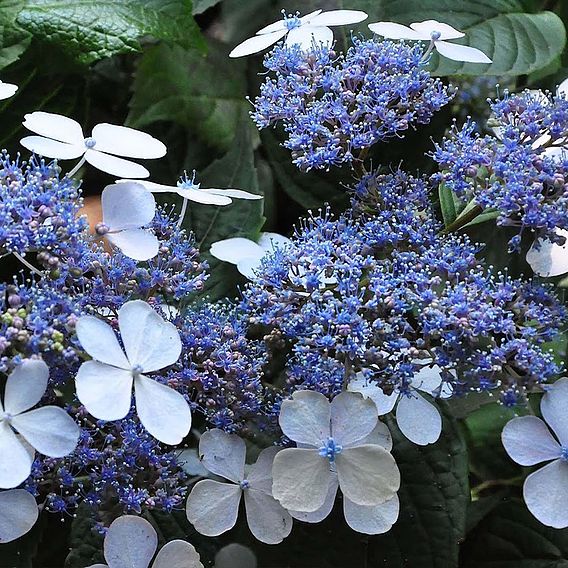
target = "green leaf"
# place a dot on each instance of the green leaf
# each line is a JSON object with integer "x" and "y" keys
{"x": 510, "y": 537}
{"x": 450, "y": 205}
{"x": 204, "y": 94}
{"x": 242, "y": 218}
{"x": 90, "y": 31}
{"x": 13, "y": 40}
{"x": 85, "y": 543}
{"x": 200, "y": 6}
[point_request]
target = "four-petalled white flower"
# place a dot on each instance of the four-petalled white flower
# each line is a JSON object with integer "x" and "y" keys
{"x": 7, "y": 90}
{"x": 213, "y": 506}
{"x": 127, "y": 207}
{"x": 48, "y": 429}
{"x": 18, "y": 514}
{"x": 331, "y": 441}
{"x": 104, "y": 385}
{"x": 62, "y": 138}
{"x": 528, "y": 441}
{"x": 247, "y": 254}
{"x": 131, "y": 542}
{"x": 418, "y": 419}
{"x": 436, "y": 33}
{"x": 305, "y": 31}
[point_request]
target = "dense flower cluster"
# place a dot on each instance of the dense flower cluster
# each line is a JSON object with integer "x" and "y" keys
{"x": 398, "y": 298}
{"x": 334, "y": 106}
{"x": 520, "y": 172}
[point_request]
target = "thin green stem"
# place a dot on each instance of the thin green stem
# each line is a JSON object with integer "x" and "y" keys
{"x": 77, "y": 167}
{"x": 463, "y": 220}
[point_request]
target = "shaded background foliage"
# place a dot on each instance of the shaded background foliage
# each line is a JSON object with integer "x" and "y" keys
{"x": 162, "y": 66}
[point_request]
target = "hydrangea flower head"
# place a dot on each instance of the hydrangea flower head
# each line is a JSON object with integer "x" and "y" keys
{"x": 48, "y": 429}
{"x": 104, "y": 385}
{"x": 60, "y": 137}
{"x": 18, "y": 514}
{"x": 131, "y": 542}
{"x": 305, "y": 32}
{"x": 529, "y": 441}
{"x": 331, "y": 439}
{"x": 213, "y": 506}
{"x": 435, "y": 32}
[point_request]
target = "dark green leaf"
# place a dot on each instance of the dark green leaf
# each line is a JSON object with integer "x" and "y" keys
{"x": 199, "y": 6}
{"x": 13, "y": 40}
{"x": 85, "y": 542}
{"x": 90, "y": 31}
{"x": 450, "y": 205}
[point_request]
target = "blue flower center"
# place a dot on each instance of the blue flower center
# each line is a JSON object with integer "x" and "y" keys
{"x": 564, "y": 453}
{"x": 291, "y": 21}
{"x": 90, "y": 142}
{"x": 245, "y": 484}
{"x": 330, "y": 449}
{"x": 185, "y": 182}
{"x": 137, "y": 370}
{"x": 435, "y": 36}
{"x": 6, "y": 416}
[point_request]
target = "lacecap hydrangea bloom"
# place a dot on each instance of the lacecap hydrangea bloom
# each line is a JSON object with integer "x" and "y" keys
{"x": 334, "y": 106}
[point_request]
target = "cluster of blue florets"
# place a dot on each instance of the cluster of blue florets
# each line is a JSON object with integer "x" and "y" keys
{"x": 521, "y": 172}
{"x": 393, "y": 295}
{"x": 334, "y": 106}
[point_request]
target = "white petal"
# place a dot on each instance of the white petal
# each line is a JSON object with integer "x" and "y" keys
{"x": 235, "y": 555}
{"x": 234, "y": 193}
{"x": 138, "y": 244}
{"x": 212, "y": 507}
{"x": 163, "y": 411}
{"x": 554, "y": 406}
{"x": 7, "y": 90}
{"x": 528, "y": 441}
{"x": 557, "y": 153}
{"x": 380, "y": 436}
{"x": 235, "y": 249}
{"x": 338, "y": 18}
{"x": 305, "y": 418}
{"x": 273, "y": 241}
{"x": 130, "y": 542}
{"x": 128, "y": 142}
{"x": 428, "y": 379}
{"x": 198, "y": 196}
{"x": 52, "y": 148}
{"x": 18, "y": 514}
{"x": 191, "y": 464}
{"x": 300, "y": 479}
{"x": 149, "y": 340}
{"x": 274, "y": 27}
{"x": 458, "y": 52}
{"x": 115, "y": 166}
{"x": 257, "y": 43}
{"x": 55, "y": 126}
{"x": 105, "y": 391}
{"x": 391, "y": 30}
{"x": 545, "y": 494}
{"x": 549, "y": 259}
{"x": 178, "y": 554}
{"x": 367, "y": 474}
{"x": 352, "y": 417}
{"x": 418, "y": 419}
{"x": 268, "y": 521}
{"x": 249, "y": 267}
{"x": 428, "y": 27}
{"x": 223, "y": 454}
{"x": 371, "y": 520}
{"x": 25, "y": 386}
{"x": 563, "y": 88}
{"x": 127, "y": 206}
{"x": 50, "y": 430}
{"x": 308, "y": 36}
{"x": 384, "y": 403}
{"x": 321, "y": 513}
{"x": 259, "y": 474}
{"x": 98, "y": 339}
{"x": 15, "y": 460}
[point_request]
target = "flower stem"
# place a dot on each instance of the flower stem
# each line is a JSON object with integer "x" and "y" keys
{"x": 27, "y": 264}
{"x": 76, "y": 168}
{"x": 182, "y": 213}
{"x": 427, "y": 52}
{"x": 463, "y": 220}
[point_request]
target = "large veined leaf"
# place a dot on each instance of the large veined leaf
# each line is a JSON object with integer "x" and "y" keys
{"x": 90, "y": 31}
{"x": 13, "y": 40}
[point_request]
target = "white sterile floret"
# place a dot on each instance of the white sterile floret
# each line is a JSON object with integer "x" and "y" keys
{"x": 331, "y": 441}
{"x": 435, "y": 32}
{"x": 62, "y": 138}
{"x": 188, "y": 189}
{"x": 104, "y": 385}
{"x": 547, "y": 258}
{"x": 127, "y": 207}
{"x": 18, "y": 514}
{"x": 213, "y": 506}
{"x": 247, "y": 254}
{"x": 418, "y": 419}
{"x": 131, "y": 542}
{"x": 49, "y": 429}
{"x": 529, "y": 441}
{"x": 7, "y": 90}
{"x": 305, "y": 31}
{"x": 377, "y": 519}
